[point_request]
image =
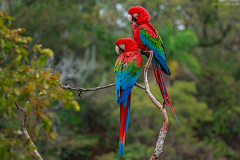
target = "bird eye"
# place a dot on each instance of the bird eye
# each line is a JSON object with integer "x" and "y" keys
{"x": 122, "y": 46}
{"x": 135, "y": 14}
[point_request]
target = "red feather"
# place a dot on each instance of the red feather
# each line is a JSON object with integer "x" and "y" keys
{"x": 143, "y": 14}
{"x": 130, "y": 44}
{"x": 123, "y": 119}
{"x": 143, "y": 22}
{"x": 158, "y": 75}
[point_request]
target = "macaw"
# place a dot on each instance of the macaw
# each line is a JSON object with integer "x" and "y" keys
{"x": 147, "y": 38}
{"x": 127, "y": 69}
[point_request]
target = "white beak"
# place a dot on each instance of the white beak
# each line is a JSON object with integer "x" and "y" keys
{"x": 130, "y": 18}
{"x": 117, "y": 49}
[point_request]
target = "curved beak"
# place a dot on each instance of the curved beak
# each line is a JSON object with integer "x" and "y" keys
{"x": 117, "y": 49}
{"x": 130, "y": 18}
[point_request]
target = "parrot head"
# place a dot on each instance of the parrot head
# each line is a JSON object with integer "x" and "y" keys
{"x": 125, "y": 45}
{"x": 138, "y": 15}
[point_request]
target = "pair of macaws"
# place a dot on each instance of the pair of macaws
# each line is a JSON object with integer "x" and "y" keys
{"x": 129, "y": 64}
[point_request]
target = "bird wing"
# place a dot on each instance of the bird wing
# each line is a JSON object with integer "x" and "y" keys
{"x": 150, "y": 38}
{"x": 126, "y": 74}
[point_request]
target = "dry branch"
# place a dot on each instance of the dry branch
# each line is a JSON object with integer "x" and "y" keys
{"x": 164, "y": 129}
{"x": 53, "y": 70}
{"x": 66, "y": 86}
{"x": 35, "y": 151}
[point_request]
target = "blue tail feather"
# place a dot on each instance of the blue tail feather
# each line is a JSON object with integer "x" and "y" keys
{"x": 121, "y": 149}
{"x": 116, "y": 94}
{"x": 128, "y": 117}
{"x": 124, "y": 102}
{"x": 161, "y": 62}
{"x": 124, "y": 96}
{"x": 177, "y": 121}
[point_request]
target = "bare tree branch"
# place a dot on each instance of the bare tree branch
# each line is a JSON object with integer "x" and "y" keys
{"x": 140, "y": 86}
{"x": 164, "y": 129}
{"x": 159, "y": 144}
{"x": 66, "y": 86}
{"x": 35, "y": 151}
{"x": 53, "y": 70}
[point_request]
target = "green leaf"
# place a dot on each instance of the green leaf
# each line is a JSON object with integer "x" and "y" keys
{"x": 47, "y": 123}
{"x": 18, "y": 57}
{"x": 37, "y": 128}
{"x": 37, "y": 47}
{"x": 53, "y": 135}
{"x": 26, "y": 58}
{"x": 48, "y": 52}
{"x": 9, "y": 17}
{"x": 42, "y": 60}
{"x": 76, "y": 106}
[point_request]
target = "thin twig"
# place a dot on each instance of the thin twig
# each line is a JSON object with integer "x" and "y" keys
{"x": 53, "y": 70}
{"x": 35, "y": 151}
{"x": 164, "y": 129}
{"x": 66, "y": 86}
{"x": 139, "y": 86}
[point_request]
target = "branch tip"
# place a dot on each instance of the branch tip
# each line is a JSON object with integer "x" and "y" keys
{"x": 35, "y": 151}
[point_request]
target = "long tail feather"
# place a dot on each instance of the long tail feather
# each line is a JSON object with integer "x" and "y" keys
{"x": 124, "y": 123}
{"x": 161, "y": 83}
{"x": 128, "y": 112}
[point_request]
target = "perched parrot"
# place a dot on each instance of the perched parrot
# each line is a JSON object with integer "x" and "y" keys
{"x": 147, "y": 38}
{"x": 127, "y": 69}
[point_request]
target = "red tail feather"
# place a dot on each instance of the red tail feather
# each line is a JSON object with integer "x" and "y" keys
{"x": 159, "y": 77}
{"x": 123, "y": 124}
{"x": 123, "y": 121}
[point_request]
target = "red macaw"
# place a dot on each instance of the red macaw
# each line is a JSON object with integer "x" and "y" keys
{"x": 127, "y": 69}
{"x": 147, "y": 38}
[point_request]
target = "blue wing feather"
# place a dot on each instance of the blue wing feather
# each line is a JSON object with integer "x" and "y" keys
{"x": 125, "y": 79}
{"x": 156, "y": 46}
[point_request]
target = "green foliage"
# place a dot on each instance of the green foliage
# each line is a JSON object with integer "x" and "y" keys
{"x": 23, "y": 79}
{"x": 179, "y": 46}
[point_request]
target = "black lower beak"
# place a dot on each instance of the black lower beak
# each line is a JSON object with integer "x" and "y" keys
{"x": 121, "y": 50}
{"x": 134, "y": 19}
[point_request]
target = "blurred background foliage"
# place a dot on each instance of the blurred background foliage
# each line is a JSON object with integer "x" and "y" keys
{"x": 203, "y": 54}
